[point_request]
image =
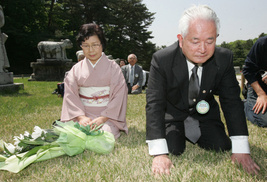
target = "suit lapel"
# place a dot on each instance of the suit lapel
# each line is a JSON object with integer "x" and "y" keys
{"x": 135, "y": 69}
{"x": 135, "y": 72}
{"x": 180, "y": 71}
{"x": 209, "y": 72}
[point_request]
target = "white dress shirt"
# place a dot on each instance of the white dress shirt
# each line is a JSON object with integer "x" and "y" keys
{"x": 130, "y": 66}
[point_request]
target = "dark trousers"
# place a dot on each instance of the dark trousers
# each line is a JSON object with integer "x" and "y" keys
{"x": 258, "y": 119}
{"x": 130, "y": 91}
{"x": 129, "y": 88}
{"x": 213, "y": 137}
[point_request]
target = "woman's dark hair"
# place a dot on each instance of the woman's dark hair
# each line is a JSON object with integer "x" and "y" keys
{"x": 91, "y": 29}
{"x": 123, "y": 61}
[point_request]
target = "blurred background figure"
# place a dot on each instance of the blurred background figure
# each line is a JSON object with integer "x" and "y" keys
{"x": 80, "y": 55}
{"x": 122, "y": 62}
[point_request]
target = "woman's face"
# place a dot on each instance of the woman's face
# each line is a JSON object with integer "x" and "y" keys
{"x": 122, "y": 63}
{"x": 92, "y": 48}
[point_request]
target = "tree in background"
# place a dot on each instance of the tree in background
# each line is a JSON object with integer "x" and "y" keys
{"x": 28, "y": 22}
{"x": 125, "y": 23}
{"x": 24, "y": 23}
{"x": 240, "y": 49}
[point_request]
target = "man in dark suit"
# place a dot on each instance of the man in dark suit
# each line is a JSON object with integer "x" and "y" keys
{"x": 133, "y": 75}
{"x": 173, "y": 117}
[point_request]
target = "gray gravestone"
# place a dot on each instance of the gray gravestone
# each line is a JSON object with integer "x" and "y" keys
{"x": 53, "y": 63}
{"x": 6, "y": 78}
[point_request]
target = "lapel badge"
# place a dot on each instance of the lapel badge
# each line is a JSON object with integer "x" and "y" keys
{"x": 202, "y": 107}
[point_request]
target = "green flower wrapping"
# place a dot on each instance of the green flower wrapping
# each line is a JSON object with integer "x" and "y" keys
{"x": 103, "y": 144}
{"x": 68, "y": 138}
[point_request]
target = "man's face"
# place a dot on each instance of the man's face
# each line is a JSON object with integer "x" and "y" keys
{"x": 199, "y": 43}
{"x": 131, "y": 59}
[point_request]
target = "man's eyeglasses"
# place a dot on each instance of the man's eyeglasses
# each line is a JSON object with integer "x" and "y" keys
{"x": 94, "y": 46}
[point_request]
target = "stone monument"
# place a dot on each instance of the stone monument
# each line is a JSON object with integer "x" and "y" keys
{"x": 6, "y": 78}
{"x": 53, "y": 63}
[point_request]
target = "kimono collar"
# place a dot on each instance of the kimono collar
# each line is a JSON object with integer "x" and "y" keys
{"x": 93, "y": 65}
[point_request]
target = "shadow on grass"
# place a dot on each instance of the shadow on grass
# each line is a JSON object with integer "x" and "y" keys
{"x": 134, "y": 138}
{"x": 14, "y": 94}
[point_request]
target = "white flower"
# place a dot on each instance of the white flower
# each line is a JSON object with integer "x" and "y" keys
{"x": 21, "y": 137}
{"x": 37, "y": 132}
{"x": 10, "y": 147}
{"x": 27, "y": 134}
{"x": 18, "y": 148}
{"x": 17, "y": 141}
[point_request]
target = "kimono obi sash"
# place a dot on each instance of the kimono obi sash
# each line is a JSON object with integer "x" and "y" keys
{"x": 94, "y": 96}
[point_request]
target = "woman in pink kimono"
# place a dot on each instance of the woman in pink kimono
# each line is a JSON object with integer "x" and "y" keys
{"x": 95, "y": 89}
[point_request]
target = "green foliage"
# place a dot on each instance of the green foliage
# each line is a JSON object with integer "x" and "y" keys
{"x": 85, "y": 129}
{"x": 127, "y": 30}
{"x": 25, "y": 25}
{"x": 125, "y": 22}
{"x": 240, "y": 49}
{"x": 27, "y": 22}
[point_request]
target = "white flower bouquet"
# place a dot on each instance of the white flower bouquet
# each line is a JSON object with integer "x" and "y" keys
{"x": 67, "y": 138}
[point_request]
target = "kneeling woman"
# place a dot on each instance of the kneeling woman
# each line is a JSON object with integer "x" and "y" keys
{"x": 95, "y": 89}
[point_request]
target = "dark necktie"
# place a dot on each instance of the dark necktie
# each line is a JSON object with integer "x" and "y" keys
{"x": 193, "y": 87}
{"x": 192, "y": 130}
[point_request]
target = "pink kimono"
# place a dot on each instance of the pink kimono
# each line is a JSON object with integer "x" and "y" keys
{"x": 96, "y": 91}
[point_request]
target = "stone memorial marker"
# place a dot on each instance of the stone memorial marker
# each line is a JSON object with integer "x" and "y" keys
{"x": 6, "y": 78}
{"x": 53, "y": 63}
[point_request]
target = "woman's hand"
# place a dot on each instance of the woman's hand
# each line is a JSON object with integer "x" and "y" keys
{"x": 98, "y": 121}
{"x": 83, "y": 120}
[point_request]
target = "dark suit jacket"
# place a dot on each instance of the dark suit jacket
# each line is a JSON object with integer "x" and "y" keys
{"x": 138, "y": 75}
{"x": 167, "y": 93}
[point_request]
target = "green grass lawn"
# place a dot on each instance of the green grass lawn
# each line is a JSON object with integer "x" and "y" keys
{"x": 35, "y": 105}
